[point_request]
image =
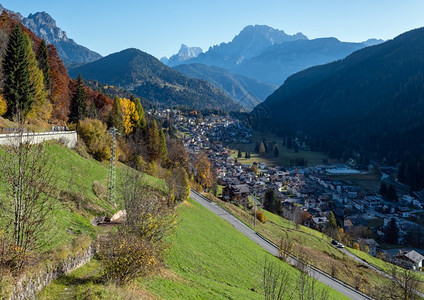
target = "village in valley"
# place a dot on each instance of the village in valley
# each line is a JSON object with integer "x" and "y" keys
{"x": 308, "y": 194}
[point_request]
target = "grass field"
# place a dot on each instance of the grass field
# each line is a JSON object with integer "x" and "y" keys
{"x": 370, "y": 182}
{"x": 285, "y": 155}
{"x": 208, "y": 260}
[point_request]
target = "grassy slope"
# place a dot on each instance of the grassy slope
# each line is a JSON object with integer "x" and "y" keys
{"x": 69, "y": 229}
{"x": 208, "y": 260}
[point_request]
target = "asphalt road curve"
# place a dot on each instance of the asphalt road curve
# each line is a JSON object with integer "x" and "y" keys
{"x": 273, "y": 249}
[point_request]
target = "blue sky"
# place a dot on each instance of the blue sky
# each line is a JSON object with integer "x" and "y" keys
{"x": 159, "y": 27}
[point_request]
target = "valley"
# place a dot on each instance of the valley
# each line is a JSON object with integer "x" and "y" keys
{"x": 254, "y": 163}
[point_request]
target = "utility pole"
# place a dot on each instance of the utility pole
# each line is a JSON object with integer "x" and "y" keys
{"x": 254, "y": 209}
{"x": 111, "y": 187}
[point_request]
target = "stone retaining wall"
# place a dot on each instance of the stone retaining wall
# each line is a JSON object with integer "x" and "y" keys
{"x": 67, "y": 137}
{"x": 27, "y": 288}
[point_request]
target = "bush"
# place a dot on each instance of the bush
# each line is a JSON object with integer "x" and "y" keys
{"x": 94, "y": 134}
{"x": 356, "y": 246}
{"x": 261, "y": 217}
{"x": 125, "y": 256}
{"x": 3, "y": 105}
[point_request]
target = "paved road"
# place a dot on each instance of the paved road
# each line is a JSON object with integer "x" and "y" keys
{"x": 271, "y": 248}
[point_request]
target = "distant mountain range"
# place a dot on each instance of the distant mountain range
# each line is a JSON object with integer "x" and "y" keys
{"x": 246, "y": 91}
{"x": 44, "y": 26}
{"x": 371, "y": 102}
{"x": 185, "y": 53}
{"x": 270, "y": 55}
{"x": 147, "y": 77}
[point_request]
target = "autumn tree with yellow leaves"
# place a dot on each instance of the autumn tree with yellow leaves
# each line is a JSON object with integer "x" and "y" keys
{"x": 202, "y": 165}
{"x": 129, "y": 114}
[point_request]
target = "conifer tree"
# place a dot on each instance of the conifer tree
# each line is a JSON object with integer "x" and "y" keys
{"x": 331, "y": 220}
{"x": 262, "y": 149}
{"x": 141, "y": 122}
{"x": 239, "y": 154}
{"x": 392, "y": 232}
{"x": 18, "y": 90}
{"x": 40, "y": 109}
{"x": 78, "y": 109}
{"x": 163, "y": 152}
{"x": 115, "y": 115}
{"x": 153, "y": 141}
{"x": 276, "y": 151}
{"x": 383, "y": 189}
{"x": 43, "y": 63}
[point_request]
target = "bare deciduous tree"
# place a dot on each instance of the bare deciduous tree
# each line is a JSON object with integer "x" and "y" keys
{"x": 276, "y": 281}
{"x": 148, "y": 214}
{"x": 26, "y": 172}
{"x": 285, "y": 248}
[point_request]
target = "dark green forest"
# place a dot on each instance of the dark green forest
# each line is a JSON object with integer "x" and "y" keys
{"x": 370, "y": 104}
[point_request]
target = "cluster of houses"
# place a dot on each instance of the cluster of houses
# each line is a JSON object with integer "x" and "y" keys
{"x": 311, "y": 189}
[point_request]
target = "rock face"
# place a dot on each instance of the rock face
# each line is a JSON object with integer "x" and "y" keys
{"x": 184, "y": 54}
{"x": 44, "y": 26}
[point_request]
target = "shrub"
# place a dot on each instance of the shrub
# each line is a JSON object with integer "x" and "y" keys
{"x": 125, "y": 256}
{"x": 356, "y": 246}
{"x": 261, "y": 217}
{"x": 93, "y": 133}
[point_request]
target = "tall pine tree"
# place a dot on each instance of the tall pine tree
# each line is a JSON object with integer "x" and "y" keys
{"x": 18, "y": 90}
{"x": 78, "y": 108}
{"x": 141, "y": 122}
{"x": 43, "y": 63}
{"x": 40, "y": 109}
{"x": 163, "y": 151}
{"x": 153, "y": 141}
{"x": 115, "y": 116}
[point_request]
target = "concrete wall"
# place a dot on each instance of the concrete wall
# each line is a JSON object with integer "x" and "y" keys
{"x": 67, "y": 137}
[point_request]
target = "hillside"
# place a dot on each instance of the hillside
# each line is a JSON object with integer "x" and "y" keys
{"x": 371, "y": 102}
{"x": 209, "y": 260}
{"x": 246, "y": 91}
{"x": 147, "y": 77}
{"x": 68, "y": 230}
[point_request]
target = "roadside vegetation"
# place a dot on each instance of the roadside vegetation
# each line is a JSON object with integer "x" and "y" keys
{"x": 312, "y": 246}
{"x": 208, "y": 259}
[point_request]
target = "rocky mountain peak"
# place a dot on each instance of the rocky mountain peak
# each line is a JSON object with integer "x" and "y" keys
{"x": 185, "y": 53}
{"x": 43, "y": 25}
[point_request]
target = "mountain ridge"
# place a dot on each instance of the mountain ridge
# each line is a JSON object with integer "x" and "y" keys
{"x": 145, "y": 76}
{"x": 364, "y": 102}
{"x": 249, "y": 53}
{"x": 246, "y": 91}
